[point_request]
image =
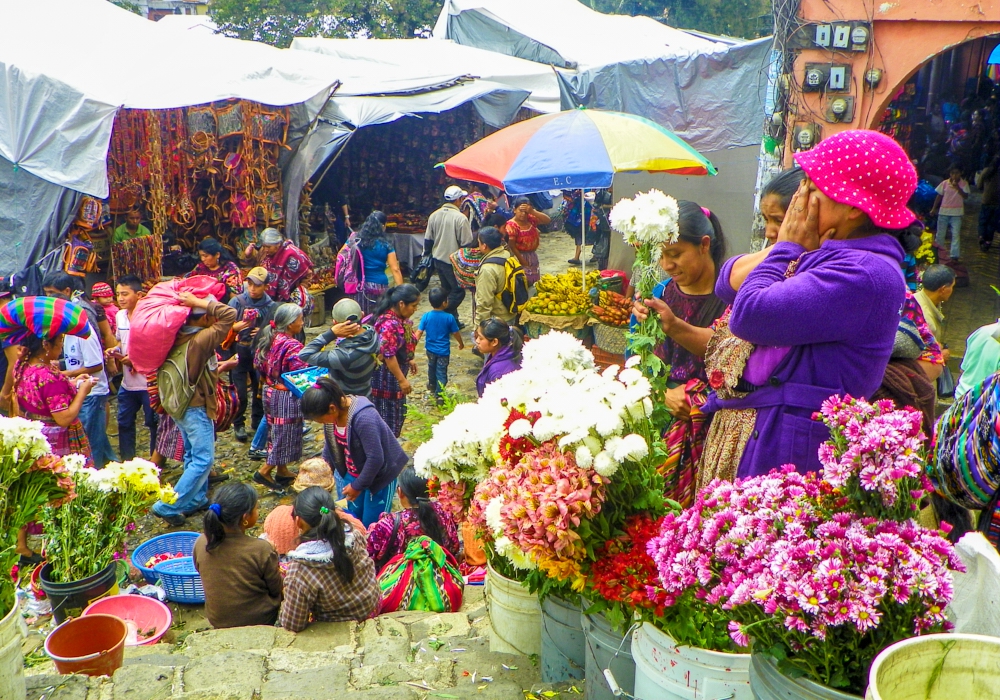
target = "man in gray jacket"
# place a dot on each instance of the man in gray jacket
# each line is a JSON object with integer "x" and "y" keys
{"x": 352, "y": 360}
{"x": 448, "y": 229}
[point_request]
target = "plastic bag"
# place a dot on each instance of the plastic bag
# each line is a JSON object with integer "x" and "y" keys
{"x": 975, "y": 607}
{"x": 158, "y": 317}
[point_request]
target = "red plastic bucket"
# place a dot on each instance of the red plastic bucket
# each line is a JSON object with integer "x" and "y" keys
{"x": 150, "y": 617}
{"x": 93, "y": 645}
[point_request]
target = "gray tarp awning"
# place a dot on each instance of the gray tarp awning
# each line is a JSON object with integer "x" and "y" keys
{"x": 709, "y": 92}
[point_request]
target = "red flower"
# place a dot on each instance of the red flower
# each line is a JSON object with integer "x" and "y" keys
{"x": 717, "y": 379}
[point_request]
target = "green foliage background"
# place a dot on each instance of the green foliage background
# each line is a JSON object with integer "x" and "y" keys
{"x": 277, "y": 22}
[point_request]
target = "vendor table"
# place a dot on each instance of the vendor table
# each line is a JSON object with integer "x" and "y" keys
{"x": 409, "y": 248}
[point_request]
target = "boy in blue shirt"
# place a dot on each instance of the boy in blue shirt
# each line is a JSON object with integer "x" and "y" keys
{"x": 435, "y": 327}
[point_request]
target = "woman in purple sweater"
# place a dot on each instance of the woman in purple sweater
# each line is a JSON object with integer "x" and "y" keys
{"x": 359, "y": 446}
{"x": 501, "y": 346}
{"x": 821, "y": 309}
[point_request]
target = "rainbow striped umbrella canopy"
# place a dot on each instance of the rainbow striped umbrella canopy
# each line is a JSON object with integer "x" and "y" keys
{"x": 44, "y": 317}
{"x": 575, "y": 149}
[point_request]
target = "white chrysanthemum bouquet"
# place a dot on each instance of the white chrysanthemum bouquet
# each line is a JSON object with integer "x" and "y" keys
{"x": 86, "y": 534}
{"x": 545, "y": 446}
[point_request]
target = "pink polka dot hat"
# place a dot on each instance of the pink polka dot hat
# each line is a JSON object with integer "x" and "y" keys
{"x": 867, "y": 170}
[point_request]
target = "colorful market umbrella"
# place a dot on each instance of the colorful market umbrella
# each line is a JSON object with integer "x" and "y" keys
{"x": 577, "y": 149}
{"x": 44, "y": 317}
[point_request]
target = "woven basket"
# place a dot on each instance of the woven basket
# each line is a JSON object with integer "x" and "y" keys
{"x": 535, "y": 329}
{"x": 611, "y": 339}
{"x": 603, "y": 359}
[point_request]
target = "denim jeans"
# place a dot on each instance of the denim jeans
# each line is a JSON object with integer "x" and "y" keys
{"x": 129, "y": 405}
{"x": 248, "y": 388}
{"x": 437, "y": 372}
{"x": 259, "y": 441}
{"x": 368, "y": 507}
{"x": 95, "y": 425}
{"x": 955, "y": 224}
{"x": 198, "y": 433}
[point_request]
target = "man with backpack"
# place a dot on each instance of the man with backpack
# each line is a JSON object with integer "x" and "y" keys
{"x": 187, "y": 382}
{"x": 501, "y": 283}
{"x": 448, "y": 229}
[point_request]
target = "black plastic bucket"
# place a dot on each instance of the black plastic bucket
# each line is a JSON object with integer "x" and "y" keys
{"x": 69, "y": 599}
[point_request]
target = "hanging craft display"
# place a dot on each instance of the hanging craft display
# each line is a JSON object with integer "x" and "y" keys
{"x": 207, "y": 170}
{"x": 142, "y": 257}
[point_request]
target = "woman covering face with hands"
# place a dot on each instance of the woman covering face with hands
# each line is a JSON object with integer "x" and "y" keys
{"x": 820, "y": 309}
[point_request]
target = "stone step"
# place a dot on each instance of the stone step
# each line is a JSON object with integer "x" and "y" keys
{"x": 398, "y": 656}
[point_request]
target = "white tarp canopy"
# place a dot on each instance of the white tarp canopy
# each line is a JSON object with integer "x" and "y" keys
{"x": 60, "y": 88}
{"x": 433, "y": 60}
{"x": 709, "y": 92}
{"x": 568, "y": 34}
{"x": 386, "y": 80}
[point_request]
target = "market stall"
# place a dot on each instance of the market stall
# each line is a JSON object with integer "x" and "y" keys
{"x": 182, "y": 131}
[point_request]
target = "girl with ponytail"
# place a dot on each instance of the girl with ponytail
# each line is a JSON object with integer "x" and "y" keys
{"x": 277, "y": 352}
{"x": 239, "y": 572}
{"x": 330, "y": 576}
{"x": 390, "y": 387}
{"x": 420, "y": 516}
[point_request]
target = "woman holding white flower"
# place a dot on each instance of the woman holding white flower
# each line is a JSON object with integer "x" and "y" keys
{"x": 687, "y": 306}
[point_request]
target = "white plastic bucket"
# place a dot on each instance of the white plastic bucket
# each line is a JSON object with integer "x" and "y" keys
{"x": 665, "y": 671}
{"x": 768, "y": 683}
{"x": 937, "y": 667}
{"x": 12, "y": 631}
{"x": 515, "y": 616}
{"x": 607, "y": 650}
{"x": 563, "y": 642}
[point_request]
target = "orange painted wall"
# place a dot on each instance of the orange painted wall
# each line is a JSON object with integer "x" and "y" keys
{"x": 906, "y": 34}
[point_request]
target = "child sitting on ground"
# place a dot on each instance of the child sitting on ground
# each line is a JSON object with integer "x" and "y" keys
{"x": 437, "y": 328}
{"x": 281, "y": 530}
{"x": 239, "y": 572}
{"x": 330, "y": 578}
{"x": 415, "y": 552}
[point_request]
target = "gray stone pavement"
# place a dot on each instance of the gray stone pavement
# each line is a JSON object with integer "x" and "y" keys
{"x": 404, "y": 656}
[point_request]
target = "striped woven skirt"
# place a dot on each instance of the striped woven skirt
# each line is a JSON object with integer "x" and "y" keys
{"x": 388, "y": 398}
{"x": 64, "y": 441}
{"x": 529, "y": 260}
{"x": 169, "y": 441}
{"x": 368, "y": 297}
{"x": 284, "y": 422}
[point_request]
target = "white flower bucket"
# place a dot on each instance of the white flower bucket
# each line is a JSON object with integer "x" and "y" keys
{"x": 12, "y": 632}
{"x": 666, "y": 671}
{"x": 937, "y": 667}
{"x": 515, "y": 616}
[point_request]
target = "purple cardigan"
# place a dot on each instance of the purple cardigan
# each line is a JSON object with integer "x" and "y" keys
{"x": 497, "y": 365}
{"x": 838, "y": 314}
{"x": 375, "y": 451}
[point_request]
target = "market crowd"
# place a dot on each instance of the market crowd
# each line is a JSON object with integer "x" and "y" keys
{"x": 755, "y": 343}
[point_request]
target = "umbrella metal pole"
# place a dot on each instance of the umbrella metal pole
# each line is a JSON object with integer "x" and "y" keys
{"x": 583, "y": 242}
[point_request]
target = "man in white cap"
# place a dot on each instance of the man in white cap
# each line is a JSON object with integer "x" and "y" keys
{"x": 448, "y": 229}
